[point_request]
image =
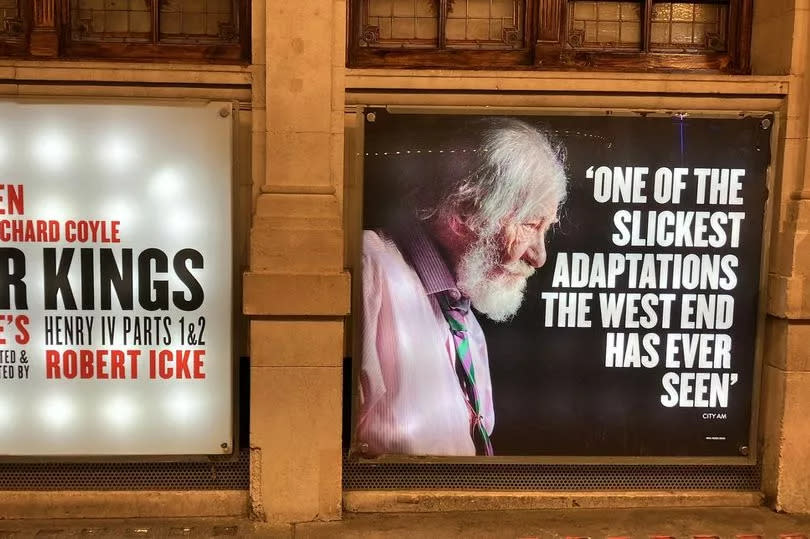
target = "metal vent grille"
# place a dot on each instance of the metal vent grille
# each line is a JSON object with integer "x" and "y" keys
{"x": 234, "y": 475}
{"x": 579, "y": 477}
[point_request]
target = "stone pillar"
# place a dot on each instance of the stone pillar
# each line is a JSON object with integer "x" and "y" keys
{"x": 297, "y": 292}
{"x": 44, "y": 34}
{"x": 781, "y": 47}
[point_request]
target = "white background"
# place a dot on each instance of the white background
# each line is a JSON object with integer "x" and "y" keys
{"x": 165, "y": 173}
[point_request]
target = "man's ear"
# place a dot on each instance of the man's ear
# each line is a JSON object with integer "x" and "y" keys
{"x": 458, "y": 226}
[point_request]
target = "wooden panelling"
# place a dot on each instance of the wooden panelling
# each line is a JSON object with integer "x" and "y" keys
{"x": 213, "y": 31}
{"x": 547, "y": 45}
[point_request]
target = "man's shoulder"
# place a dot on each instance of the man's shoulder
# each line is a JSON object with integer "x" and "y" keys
{"x": 373, "y": 240}
{"x": 383, "y": 258}
{"x": 379, "y": 245}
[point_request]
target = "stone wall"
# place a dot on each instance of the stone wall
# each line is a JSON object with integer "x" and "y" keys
{"x": 297, "y": 290}
{"x": 780, "y": 46}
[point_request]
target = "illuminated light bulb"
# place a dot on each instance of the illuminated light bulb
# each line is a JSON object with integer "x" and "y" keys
{"x": 116, "y": 153}
{"x": 52, "y": 150}
{"x": 120, "y": 412}
{"x": 182, "y": 407}
{"x": 182, "y": 222}
{"x": 120, "y": 210}
{"x": 166, "y": 184}
{"x": 57, "y": 412}
{"x": 7, "y": 413}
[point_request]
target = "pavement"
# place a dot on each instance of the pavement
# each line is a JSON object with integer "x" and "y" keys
{"x": 703, "y": 523}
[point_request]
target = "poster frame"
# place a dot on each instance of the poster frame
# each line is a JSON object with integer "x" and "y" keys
{"x": 228, "y": 108}
{"x": 749, "y": 455}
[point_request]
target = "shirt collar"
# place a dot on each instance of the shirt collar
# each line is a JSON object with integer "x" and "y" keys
{"x": 428, "y": 262}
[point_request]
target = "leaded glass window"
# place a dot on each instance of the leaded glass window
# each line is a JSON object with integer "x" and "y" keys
{"x": 628, "y": 35}
{"x": 484, "y": 24}
{"x": 689, "y": 26}
{"x": 111, "y": 20}
{"x": 11, "y": 23}
{"x": 604, "y": 24}
{"x": 449, "y": 24}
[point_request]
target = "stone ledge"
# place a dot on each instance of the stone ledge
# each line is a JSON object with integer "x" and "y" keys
{"x": 410, "y": 501}
{"x": 125, "y": 72}
{"x": 788, "y": 297}
{"x": 787, "y": 344}
{"x": 292, "y": 250}
{"x": 517, "y": 102}
{"x": 658, "y": 83}
{"x": 296, "y": 294}
{"x": 90, "y": 91}
{"x": 123, "y": 504}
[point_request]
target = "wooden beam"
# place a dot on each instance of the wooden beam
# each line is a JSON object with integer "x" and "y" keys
{"x": 549, "y": 17}
{"x": 44, "y": 33}
{"x": 646, "y": 24}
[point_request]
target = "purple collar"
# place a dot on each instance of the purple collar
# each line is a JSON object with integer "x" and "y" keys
{"x": 429, "y": 264}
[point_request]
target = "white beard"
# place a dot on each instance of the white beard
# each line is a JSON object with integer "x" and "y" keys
{"x": 495, "y": 293}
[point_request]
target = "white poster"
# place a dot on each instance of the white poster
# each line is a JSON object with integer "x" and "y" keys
{"x": 115, "y": 279}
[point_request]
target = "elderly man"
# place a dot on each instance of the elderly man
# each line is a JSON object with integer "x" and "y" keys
{"x": 474, "y": 235}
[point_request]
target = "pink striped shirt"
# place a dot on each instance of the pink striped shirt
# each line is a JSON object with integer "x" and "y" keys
{"x": 411, "y": 402}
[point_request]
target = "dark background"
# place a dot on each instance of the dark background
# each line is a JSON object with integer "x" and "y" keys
{"x": 552, "y": 394}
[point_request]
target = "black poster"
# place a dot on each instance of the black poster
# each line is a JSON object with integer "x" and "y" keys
{"x": 560, "y": 285}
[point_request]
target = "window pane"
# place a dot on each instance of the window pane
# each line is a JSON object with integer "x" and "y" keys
{"x": 485, "y": 24}
{"x": 110, "y": 20}
{"x": 10, "y": 19}
{"x": 410, "y": 24}
{"x": 689, "y": 26}
{"x": 197, "y": 21}
{"x": 604, "y": 25}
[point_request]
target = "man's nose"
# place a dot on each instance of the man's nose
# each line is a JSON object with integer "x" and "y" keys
{"x": 535, "y": 255}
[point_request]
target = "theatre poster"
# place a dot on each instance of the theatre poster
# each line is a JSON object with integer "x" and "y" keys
{"x": 639, "y": 336}
{"x": 115, "y": 279}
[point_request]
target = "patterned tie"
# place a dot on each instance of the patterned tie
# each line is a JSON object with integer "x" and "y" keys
{"x": 454, "y": 313}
